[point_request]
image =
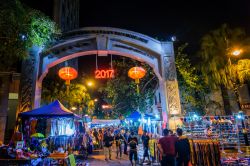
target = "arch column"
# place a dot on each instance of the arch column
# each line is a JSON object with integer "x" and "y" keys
{"x": 170, "y": 87}
{"x": 29, "y": 86}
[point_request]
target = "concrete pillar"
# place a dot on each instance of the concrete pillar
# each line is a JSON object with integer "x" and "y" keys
{"x": 4, "y": 96}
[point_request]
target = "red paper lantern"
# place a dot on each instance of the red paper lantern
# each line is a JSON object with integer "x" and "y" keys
{"x": 67, "y": 74}
{"x": 136, "y": 73}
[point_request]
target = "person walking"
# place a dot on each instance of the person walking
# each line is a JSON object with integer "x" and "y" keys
{"x": 118, "y": 141}
{"x": 182, "y": 149}
{"x": 108, "y": 140}
{"x": 152, "y": 148}
{"x": 145, "y": 142}
{"x": 166, "y": 146}
{"x": 133, "y": 142}
{"x": 126, "y": 135}
{"x": 95, "y": 134}
{"x": 100, "y": 137}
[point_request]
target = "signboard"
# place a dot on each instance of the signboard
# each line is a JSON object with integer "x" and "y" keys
{"x": 19, "y": 144}
{"x": 245, "y": 106}
{"x": 103, "y": 74}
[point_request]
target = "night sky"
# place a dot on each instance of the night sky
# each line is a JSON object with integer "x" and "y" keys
{"x": 188, "y": 20}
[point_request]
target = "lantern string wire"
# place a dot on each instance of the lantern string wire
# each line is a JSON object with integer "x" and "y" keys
{"x": 96, "y": 63}
{"x": 111, "y": 62}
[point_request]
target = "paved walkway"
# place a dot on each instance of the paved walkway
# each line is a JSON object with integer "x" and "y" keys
{"x": 98, "y": 159}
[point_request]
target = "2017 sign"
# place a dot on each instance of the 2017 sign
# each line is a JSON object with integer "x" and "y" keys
{"x": 102, "y": 74}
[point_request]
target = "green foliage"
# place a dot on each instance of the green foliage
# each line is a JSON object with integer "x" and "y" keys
{"x": 20, "y": 28}
{"x": 120, "y": 91}
{"x": 77, "y": 96}
{"x": 216, "y": 49}
{"x": 242, "y": 70}
{"x": 42, "y": 29}
{"x": 191, "y": 85}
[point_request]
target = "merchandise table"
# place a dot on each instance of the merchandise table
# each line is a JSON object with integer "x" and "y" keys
{"x": 58, "y": 161}
{"x": 16, "y": 162}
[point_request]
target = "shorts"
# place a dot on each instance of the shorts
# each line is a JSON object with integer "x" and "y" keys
{"x": 133, "y": 153}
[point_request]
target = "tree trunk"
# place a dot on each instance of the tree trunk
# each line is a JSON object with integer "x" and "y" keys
{"x": 225, "y": 96}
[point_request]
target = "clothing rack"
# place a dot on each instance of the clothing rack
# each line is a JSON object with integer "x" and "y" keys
{"x": 205, "y": 152}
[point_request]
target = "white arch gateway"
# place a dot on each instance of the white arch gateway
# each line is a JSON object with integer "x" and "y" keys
{"x": 103, "y": 40}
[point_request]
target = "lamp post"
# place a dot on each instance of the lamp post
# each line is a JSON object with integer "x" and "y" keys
{"x": 240, "y": 115}
{"x": 235, "y": 53}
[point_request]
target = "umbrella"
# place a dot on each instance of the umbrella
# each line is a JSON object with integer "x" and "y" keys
{"x": 37, "y": 135}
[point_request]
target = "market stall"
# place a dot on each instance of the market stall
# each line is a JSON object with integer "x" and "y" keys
{"x": 225, "y": 131}
{"x": 51, "y": 132}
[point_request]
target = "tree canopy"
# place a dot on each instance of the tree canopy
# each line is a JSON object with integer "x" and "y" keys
{"x": 77, "y": 96}
{"x": 20, "y": 28}
{"x": 121, "y": 93}
{"x": 191, "y": 84}
{"x": 217, "y": 62}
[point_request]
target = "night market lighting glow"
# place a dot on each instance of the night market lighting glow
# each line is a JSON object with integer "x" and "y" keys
{"x": 237, "y": 52}
{"x": 106, "y": 106}
{"x": 239, "y": 116}
{"x": 69, "y": 131}
{"x": 90, "y": 83}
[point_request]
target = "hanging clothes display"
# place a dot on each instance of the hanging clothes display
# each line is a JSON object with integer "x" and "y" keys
{"x": 33, "y": 123}
{"x": 62, "y": 126}
{"x": 205, "y": 152}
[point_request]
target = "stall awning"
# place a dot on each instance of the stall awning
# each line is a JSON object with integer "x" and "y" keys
{"x": 54, "y": 109}
{"x": 106, "y": 122}
{"x": 134, "y": 115}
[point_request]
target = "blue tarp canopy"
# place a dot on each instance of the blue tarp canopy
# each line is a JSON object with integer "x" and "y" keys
{"x": 134, "y": 115}
{"x": 149, "y": 116}
{"x": 54, "y": 109}
{"x": 137, "y": 115}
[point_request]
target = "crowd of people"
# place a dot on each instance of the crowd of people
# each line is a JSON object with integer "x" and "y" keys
{"x": 171, "y": 149}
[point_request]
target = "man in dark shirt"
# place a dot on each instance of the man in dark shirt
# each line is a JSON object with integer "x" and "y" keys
{"x": 118, "y": 141}
{"x": 166, "y": 146}
{"x": 182, "y": 149}
{"x": 126, "y": 135}
{"x": 132, "y": 142}
{"x": 108, "y": 140}
{"x": 145, "y": 141}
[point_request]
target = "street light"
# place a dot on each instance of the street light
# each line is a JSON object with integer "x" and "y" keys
{"x": 90, "y": 83}
{"x": 236, "y": 52}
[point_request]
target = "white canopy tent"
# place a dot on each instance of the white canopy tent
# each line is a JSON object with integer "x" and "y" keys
{"x": 105, "y": 122}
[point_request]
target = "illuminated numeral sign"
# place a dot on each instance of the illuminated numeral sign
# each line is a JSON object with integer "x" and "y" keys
{"x": 101, "y": 74}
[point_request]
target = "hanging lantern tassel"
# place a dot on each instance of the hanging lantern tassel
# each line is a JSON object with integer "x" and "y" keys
{"x": 137, "y": 81}
{"x": 67, "y": 82}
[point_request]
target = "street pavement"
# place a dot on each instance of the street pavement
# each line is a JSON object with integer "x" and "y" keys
{"x": 98, "y": 159}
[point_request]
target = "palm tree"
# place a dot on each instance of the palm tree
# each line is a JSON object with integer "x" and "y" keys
{"x": 216, "y": 48}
